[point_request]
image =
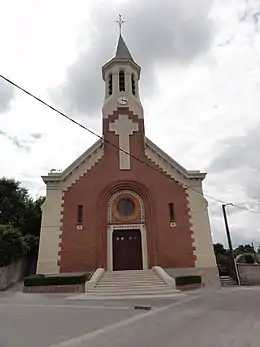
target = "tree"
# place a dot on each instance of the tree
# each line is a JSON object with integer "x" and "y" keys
{"x": 18, "y": 209}
{"x": 12, "y": 245}
{"x": 244, "y": 249}
{"x": 21, "y": 213}
{"x": 219, "y": 249}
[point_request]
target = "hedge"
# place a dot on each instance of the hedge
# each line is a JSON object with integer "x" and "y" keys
{"x": 183, "y": 280}
{"x": 45, "y": 280}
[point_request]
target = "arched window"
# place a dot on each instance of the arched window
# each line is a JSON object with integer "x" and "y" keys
{"x": 133, "y": 83}
{"x": 110, "y": 84}
{"x": 121, "y": 81}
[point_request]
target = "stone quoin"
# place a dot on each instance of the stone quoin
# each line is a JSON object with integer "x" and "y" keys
{"x": 117, "y": 211}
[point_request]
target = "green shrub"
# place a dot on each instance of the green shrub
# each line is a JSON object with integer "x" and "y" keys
{"x": 12, "y": 245}
{"x": 183, "y": 280}
{"x": 249, "y": 258}
{"x": 55, "y": 280}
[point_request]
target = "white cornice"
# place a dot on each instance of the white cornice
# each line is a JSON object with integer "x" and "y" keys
{"x": 195, "y": 174}
{"x": 56, "y": 177}
{"x": 61, "y": 176}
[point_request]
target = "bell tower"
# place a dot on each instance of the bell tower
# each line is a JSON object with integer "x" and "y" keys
{"x": 121, "y": 75}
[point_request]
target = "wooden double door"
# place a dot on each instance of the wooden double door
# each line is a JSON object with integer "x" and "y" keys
{"x": 127, "y": 250}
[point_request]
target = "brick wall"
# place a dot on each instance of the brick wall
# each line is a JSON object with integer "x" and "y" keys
{"x": 86, "y": 249}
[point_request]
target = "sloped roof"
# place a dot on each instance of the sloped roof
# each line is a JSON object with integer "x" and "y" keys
{"x": 122, "y": 51}
{"x": 188, "y": 174}
{"x": 60, "y": 176}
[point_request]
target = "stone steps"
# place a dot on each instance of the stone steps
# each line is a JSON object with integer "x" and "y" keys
{"x": 132, "y": 292}
{"x": 129, "y": 287}
{"x": 123, "y": 283}
{"x": 227, "y": 281}
{"x": 131, "y": 283}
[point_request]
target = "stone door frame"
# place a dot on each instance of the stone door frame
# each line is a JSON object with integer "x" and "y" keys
{"x": 113, "y": 227}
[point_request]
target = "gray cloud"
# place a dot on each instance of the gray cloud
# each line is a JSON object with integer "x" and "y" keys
{"x": 37, "y": 136}
{"x": 6, "y": 95}
{"x": 16, "y": 141}
{"x": 157, "y": 33}
{"x": 251, "y": 12}
{"x": 239, "y": 160}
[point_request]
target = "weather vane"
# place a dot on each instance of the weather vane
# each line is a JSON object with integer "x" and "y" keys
{"x": 120, "y": 22}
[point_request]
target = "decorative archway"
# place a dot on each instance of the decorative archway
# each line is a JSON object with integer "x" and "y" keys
{"x": 126, "y": 213}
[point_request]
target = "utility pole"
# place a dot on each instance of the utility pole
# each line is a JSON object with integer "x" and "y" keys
{"x": 229, "y": 241}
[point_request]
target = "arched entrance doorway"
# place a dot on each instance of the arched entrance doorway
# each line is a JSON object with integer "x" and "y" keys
{"x": 126, "y": 233}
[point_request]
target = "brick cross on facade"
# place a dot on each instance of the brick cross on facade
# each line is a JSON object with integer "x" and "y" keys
{"x": 124, "y": 127}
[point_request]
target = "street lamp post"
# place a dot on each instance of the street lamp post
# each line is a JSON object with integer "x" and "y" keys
{"x": 229, "y": 240}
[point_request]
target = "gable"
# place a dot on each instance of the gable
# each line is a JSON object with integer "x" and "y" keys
{"x": 92, "y": 155}
{"x": 78, "y": 168}
{"x": 169, "y": 165}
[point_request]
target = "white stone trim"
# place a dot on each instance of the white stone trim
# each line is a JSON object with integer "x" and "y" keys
{"x": 61, "y": 225}
{"x": 170, "y": 281}
{"x": 200, "y": 226}
{"x": 110, "y": 230}
{"x": 120, "y": 192}
{"x": 191, "y": 225}
{"x": 95, "y": 278}
{"x": 49, "y": 245}
{"x": 63, "y": 180}
{"x": 169, "y": 165}
{"x": 124, "y": 127}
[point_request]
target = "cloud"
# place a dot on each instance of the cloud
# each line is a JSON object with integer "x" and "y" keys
{"x": 6, "y": 95}
{"x": 158, "y": 36}
{"x": 240, "y": 161}
{"x": 251, "y": 12}
{"x": 15, "y": 141}
{"x": 23, "y": 143}
{"x": 37, "y": 136}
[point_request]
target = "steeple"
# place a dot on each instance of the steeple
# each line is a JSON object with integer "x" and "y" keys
{"x": 122, "y": 51}
{"x": 121, "y": 75}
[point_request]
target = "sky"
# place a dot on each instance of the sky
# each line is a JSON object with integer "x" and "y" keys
{"x": 199, "y": 87}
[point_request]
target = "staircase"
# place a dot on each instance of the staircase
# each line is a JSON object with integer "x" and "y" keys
{"x": 227, "y": 281}
{"x": 132, "y": 282}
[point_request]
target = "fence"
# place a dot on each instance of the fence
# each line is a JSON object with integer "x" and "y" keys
{"x": 12, "y": 273}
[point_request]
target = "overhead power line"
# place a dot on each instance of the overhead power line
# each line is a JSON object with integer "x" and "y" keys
{"x": 249, "y": 202}
{"x": 113, "y": 145}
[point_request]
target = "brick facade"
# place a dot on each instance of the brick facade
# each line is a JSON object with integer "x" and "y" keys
{"x": 86, "y": 249}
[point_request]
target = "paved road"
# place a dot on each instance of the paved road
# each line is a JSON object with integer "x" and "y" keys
{"x": 226, "y": 318}
{"x": 35, "y": 320}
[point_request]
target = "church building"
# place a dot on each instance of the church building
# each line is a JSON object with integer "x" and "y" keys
{"x": 124, "y": 204}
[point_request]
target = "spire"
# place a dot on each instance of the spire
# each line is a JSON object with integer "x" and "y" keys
{"x": 122, "y": 51}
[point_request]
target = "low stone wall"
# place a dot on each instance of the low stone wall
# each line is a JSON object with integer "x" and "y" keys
{"x": 12, "y": 274}
{"x": 249, "y": 273}
{"x": 70, "y": 288}
{"x": 209, "y": 276}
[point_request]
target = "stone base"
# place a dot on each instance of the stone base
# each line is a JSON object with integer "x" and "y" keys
{"x": 70, "y": 288}
{"x": 209, "y": 276}
{"x": 189, "y": 286}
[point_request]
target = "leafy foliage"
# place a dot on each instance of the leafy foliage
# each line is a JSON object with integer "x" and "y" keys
{"x": 20, "y": 217}
{"x": 183, "y": 280}
{"x": 219, "y": 249}
{"x": 224, "y": 259}
{"x": 43, "y": 280}
{"x": 12, "y": 245}
{"x": 244, "y": 249}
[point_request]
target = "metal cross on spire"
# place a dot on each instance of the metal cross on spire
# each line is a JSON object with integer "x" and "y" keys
{"x": 120, "y": 22}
